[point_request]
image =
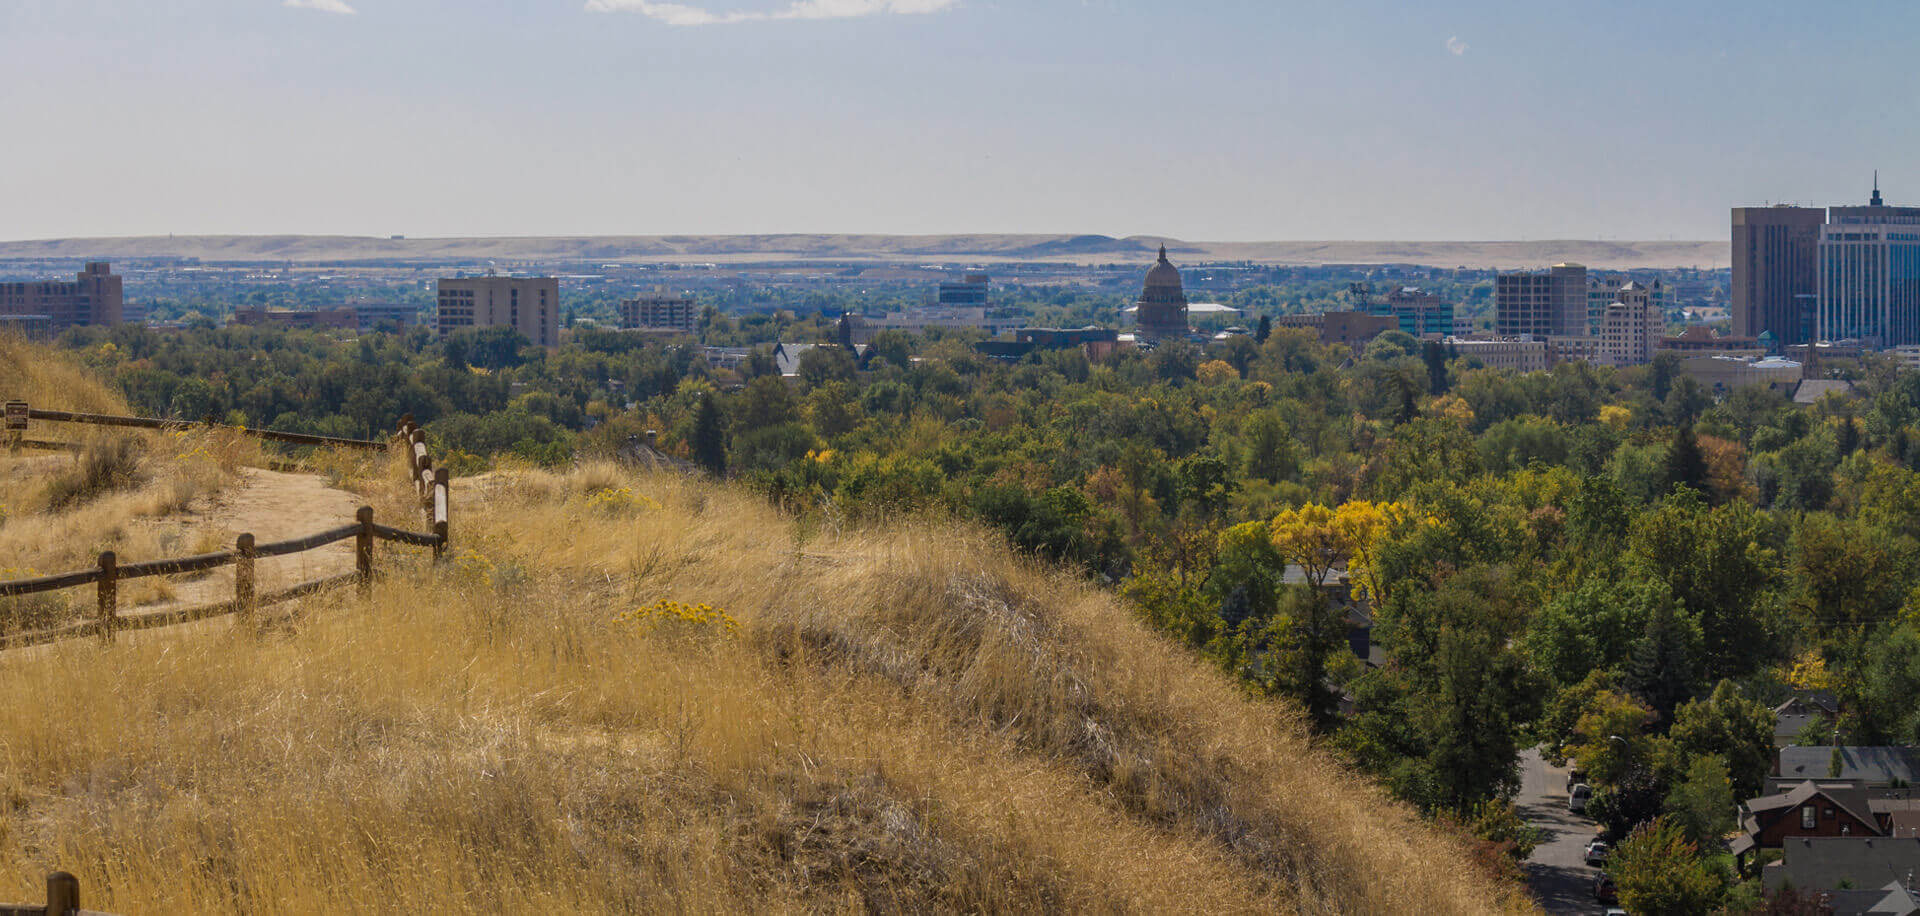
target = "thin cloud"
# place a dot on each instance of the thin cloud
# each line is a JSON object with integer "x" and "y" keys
{"x": 683, "y": 14}
{"x": 339, "y": 7}
{"x": 1456, "y": 47}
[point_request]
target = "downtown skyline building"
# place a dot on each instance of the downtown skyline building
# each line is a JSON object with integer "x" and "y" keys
{"x": 1869, "y": 275}
{"x": 1776, "y": 270}
{"x": 1542, "y": 303}
{"x": 529, "y": 305}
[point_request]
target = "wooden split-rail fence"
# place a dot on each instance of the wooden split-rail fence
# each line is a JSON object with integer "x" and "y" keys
{"x": 430, "y": 484}
{"x": 63, "y": 899}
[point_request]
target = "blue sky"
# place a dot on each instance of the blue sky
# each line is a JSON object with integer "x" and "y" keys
{"x": 1202, "y": 119}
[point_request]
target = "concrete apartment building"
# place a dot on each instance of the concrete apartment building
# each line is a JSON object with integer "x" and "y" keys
{"x": 1869, "y": 276}
{"x": 530, "y": 305}
{"x": 93, "y": 297}
{"x": 1776, "y": 271}
{"x": 660, "y": 312}
{"x": 1542, "y": 303}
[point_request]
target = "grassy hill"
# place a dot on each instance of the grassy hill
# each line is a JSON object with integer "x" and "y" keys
{"x": 635, "y": 692}
{"x": 740, "y": 249}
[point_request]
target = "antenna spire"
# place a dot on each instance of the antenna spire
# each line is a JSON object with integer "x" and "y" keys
{"x": 1876, "y": 189}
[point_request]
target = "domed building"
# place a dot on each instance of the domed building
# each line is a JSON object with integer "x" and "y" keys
{"x": 1161, "y": 312}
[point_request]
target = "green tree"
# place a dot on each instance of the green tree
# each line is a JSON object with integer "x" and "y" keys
{"x": 1702, "y": 804}
{"x": 1728, "y": 726}
{"x": 1686, "y": 466}
{"x": 1659, "y": 872}
{"x": 710, "y": 437}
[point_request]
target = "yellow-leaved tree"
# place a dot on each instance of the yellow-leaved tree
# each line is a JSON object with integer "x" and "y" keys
{"x": 1308, "y": 538}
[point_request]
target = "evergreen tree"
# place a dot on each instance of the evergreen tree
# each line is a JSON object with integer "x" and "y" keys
{"x": 1434, "y": 354}
{"x": 710, "y": 437}
{"x": 1265, "y": 330}
{"x": 1663, "y": 668}
{"x": 1686, "y": 465}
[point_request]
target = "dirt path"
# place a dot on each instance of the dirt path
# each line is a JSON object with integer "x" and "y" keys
{"x": 273, "y": 506}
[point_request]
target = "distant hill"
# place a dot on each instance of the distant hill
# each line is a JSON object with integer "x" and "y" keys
{"x": 742, "y": 249}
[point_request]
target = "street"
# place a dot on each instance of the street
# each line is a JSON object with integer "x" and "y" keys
{"x": 1557, "y": 873}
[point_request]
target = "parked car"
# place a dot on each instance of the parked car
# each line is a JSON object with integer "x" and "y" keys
{"x": 1575, "y": 776}
{"x": 1577, "y": 798}
{"x": 1615, "y": 911}
{"x": 1604, "y": 891}
{"x": 1597, "y": 852}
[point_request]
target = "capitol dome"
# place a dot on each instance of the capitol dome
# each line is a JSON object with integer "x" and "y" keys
{"x": 1163, "y": 274}
{"x": 1161, "y": 312}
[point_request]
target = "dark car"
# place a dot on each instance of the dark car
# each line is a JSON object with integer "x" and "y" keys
{"x": 1604, "y": 891}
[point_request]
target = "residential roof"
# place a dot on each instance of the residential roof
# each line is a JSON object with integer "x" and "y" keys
{"x": 1869, "y": 765}
{"x": 1892, "y": 900}
{"x": 1850, "y": 799}
{"x": 1826, "y": 863}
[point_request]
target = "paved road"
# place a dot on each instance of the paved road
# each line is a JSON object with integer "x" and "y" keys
{"x": 1557, "y": 873}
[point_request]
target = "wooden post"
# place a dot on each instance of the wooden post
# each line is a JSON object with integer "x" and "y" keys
{"x": 442, "y": 511}
{"x": 107, "y": 591}
{"x": 363, "y": 550}
{"x": 243, "y": 596}
{"x": 63, "y": 894}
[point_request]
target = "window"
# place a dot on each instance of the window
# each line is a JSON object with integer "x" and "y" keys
{"x": 1807, "y": 819}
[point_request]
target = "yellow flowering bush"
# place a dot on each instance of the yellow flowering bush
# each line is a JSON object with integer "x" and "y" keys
{"x": 616, "y": 500}
{"x": 667, "y": 614}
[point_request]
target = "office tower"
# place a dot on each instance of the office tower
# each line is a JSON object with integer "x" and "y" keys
{"x": 1775, "y": 271}
{"x": 1631, "y": 326}
{"x": 969, "y": 293}
{"x": 660, "y": 312}
{"x": 1542, "y": 303}
{"x": 1603, "y": 291}
{"x": 94, "y": 297}
{"x": 1869, "y": 280}
{"x": 530, "y": 305}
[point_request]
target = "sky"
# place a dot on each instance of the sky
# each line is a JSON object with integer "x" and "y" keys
{"x": 1216, "y": 120}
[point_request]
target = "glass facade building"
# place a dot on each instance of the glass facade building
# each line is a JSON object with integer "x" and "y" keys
{"x": 1869, "y": 282}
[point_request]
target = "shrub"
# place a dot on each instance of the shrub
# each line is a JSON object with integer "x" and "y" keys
{"x": 99, "y": 470}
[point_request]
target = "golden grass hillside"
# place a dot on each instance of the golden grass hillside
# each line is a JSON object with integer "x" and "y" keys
{"x": 650, "y": 694}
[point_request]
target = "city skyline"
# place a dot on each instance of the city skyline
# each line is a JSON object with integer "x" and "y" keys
{"x": 1290, "y": 121}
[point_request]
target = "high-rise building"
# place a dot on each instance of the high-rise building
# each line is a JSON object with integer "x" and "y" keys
{"x": 1162, "y": 309}
{"x": 1603, "y": 291}
{"x": 969, "y": 293}
{"x": 1775, "y": 271}
{"x": 1542, "y": 303}
{"x": 1869, "y": 284}
{"x": 660, "y": 312}
{"x": 93, "y": 297}
{"x": 530, "y": 305}
{"x": 1631, "y": 327}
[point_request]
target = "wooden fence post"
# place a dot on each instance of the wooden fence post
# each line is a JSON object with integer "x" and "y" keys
{"x": 107, "y": 591}
{"x": 442, "y": 511}
{"x": 63, "y": 894}
{"x": 363, "y": 550}
{"x": 243, "y": 596}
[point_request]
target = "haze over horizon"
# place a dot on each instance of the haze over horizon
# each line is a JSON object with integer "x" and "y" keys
{"x": 1208, "y": 121}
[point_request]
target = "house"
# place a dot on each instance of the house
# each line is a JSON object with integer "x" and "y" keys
{"x": 1808, "y": 809}
{"x": 1791, "y": 718}
{"x": 787, "y": 356}
{"x": 1843, "y": 863}
{"x": 1813, "y": 389}
{"x": 1894, "y": 899}
{"x": 1867, "y": 767}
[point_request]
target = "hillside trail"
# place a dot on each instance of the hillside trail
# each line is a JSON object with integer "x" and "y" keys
{"x": 273, "y": 506}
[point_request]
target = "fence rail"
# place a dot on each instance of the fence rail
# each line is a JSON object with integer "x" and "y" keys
{"x": 101, "y": 419}
{"x": 431, "y": 485}
{"x": 63, "y": 899}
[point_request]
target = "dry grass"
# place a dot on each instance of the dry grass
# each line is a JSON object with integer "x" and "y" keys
{"x": 906, "y": 720}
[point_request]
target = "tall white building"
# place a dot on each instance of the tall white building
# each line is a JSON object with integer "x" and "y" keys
{"x": 1631, "y": 326}
{"x": 1869, "y": 286}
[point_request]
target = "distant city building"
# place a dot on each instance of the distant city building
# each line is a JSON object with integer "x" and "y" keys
{"x": 1603, "y": 291}
{"x": 1870, "y": 274}
{"x": 969, "y": 292}
{"x": 1721, "y": 374}
{"x": 660, "y": 312}
{"x": 1541, "y": 303}
{"x": 1417, "y": 311}
{"x": 1098, "y": 343}
{"x": 31, "y": 327}
{"x": 530, "y": 305}
{"x": 94, "y": 297}
{"x": 385, "y": 316}
{"x": 921, "y": 320}
{"x": 344, "y": 319}
{"x": 1776, "y": 271}
{"x": 1631, "y": 327}
{"x": 1515, "y": 355}
{"x": 1161, "y": 312}
{"x": 1701, "y": 339}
